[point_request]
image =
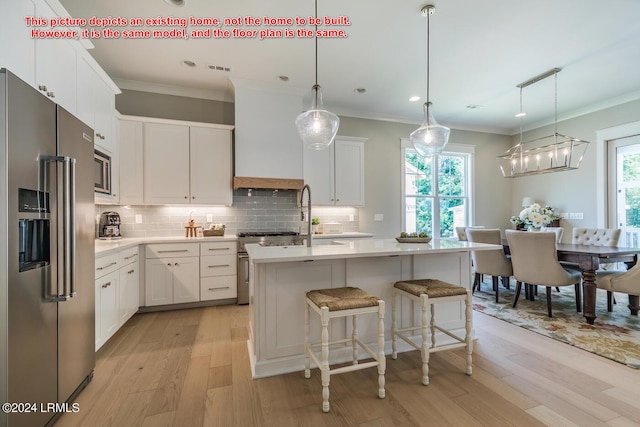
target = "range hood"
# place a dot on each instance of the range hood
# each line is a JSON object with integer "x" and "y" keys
{"x": 267, "y": 183}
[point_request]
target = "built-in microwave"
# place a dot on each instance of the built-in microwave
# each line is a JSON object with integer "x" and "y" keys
{"x": 102, "y": 172}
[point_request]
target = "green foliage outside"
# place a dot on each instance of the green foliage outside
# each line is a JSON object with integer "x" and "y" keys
{"x": 451, "y": 187}
{"x": 631, "y": 173}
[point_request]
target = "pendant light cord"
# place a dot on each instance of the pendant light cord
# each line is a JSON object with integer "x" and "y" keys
{"x": 428, "y": 43}
{"x": 316, "y": 38}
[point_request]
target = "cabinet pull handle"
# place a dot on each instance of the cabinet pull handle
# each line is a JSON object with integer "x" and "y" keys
{"x": 106, "y": 285}
{"x": 219, "y": 265}
{"x": 219, "y": 289}
{"x": 131, "y": 271}
{"x": 132, "y": 256}
{"x": 219, "y": 249}
{"x": 106, "y": 266}
{"x": 175, "y": 250}
{"x": 42, "y": 88}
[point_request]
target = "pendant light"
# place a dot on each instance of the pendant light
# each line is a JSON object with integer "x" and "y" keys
{"x": 317, "y": 127}
{"x": 431, "y": 137}
{"x": 552, "y": 153}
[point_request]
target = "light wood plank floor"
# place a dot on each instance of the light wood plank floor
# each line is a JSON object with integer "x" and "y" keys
{"x": 190, "y": 368}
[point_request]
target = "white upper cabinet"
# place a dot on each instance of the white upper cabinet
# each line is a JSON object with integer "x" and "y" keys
{"x": 166, "y": 163}
{"x": 17, "y": 50}
{"x": 55, "y": 63}
{"x": 130, "y": 144}
{"x": 336, "y": 174}
{"x": 211, "y": 174}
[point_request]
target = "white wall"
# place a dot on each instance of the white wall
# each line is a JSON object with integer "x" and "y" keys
{"x": 383, "y": 179}
{"x": 574, "y": 191}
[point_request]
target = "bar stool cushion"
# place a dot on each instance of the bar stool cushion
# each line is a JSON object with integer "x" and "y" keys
{"x": 434, "y": 288}
{"x": 336, "y": 299}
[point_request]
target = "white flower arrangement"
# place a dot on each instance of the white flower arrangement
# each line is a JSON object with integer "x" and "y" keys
{"x": 535, "y": 216}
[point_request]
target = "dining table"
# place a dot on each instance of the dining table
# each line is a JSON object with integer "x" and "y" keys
{"x": 588, "y": 259}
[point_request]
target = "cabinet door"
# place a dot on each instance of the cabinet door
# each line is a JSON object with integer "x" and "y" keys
{"x": 349, "y": 173}
{"x": 104, "y": 108}
{"x": 319, "y": 174}
{"x": 158, "y": 281}
{"x": 166, "y": 163}
{"x": 131, "y": 162}
{"x": 107, "y": 307}
{"x": 55, "y": 65}
{"x": 210, "y": 166}
{"x": 17, "y": 54}
{"x": 129, "y": 292}
{"x": 186, "y": 279}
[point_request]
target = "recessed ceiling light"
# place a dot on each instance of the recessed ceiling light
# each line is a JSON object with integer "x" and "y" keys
{"x": 360, "y": 90}
{"x": 188, "y": 63}
{"x": 473, "y": 106}
{"x": 414, "y": 98}
{"x": 283, "y": 78}
{"x": 176, "y": 2}
{"x": 522, "y": 114}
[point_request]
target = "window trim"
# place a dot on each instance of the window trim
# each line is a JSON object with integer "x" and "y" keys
{"x": 451, "y": 148}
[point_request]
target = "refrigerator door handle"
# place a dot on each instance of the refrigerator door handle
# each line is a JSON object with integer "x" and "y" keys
{"x": 66, "y": 274}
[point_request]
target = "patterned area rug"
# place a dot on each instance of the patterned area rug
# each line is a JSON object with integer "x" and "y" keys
{"x": 614, "y": 335}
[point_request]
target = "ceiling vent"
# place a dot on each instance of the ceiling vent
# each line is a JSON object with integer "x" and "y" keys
{"x": 219, "y": 68}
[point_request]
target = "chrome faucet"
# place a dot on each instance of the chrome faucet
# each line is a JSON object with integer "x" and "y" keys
{"x": 306, "y": 187}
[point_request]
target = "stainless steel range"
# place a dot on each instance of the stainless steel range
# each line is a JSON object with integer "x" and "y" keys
{"x": 264, "y": 238}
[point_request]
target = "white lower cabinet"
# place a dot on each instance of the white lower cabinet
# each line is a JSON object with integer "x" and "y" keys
{"x": 107, "y": 283}
{"x": 218, "y": 271}
{"x": 129, "y": 286}
{"x": 172, "y": 273}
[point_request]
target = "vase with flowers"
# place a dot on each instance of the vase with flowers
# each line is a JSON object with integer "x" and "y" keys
{"x": 534, "y": 217}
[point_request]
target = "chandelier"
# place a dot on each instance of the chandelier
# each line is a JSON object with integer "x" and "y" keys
{"x": 553, "y": 153}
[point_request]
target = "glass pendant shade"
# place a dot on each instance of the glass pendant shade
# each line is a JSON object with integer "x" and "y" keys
{"x": 317, "y": 127}
{"x": 430, "y": 138}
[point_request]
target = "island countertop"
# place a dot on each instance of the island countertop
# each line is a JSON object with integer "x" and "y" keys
{"x": 359, "y": 248}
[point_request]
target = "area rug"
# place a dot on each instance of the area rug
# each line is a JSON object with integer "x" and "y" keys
{"x": 614, "y": 335}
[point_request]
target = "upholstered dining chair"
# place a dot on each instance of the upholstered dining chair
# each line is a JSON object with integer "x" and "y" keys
{"x": 535, "y": 262}
{"x": 595, "y": 237}
{"x": 558, "y": 230}
{"x": 494, "y": 263}
{"x": 461, "y": 232}
{"x": 627, "y": 282}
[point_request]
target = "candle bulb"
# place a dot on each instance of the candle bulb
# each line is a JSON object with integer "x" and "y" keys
{"x": 513, "y": 166}
{"x": 566, "y": 152}
{"x": 538, "y": 162}
{"x": 526, "y": 164}
{"x": 551, "y": 159}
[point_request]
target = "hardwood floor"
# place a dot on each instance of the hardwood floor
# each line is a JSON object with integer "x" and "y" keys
{"x": 191, "y": 368}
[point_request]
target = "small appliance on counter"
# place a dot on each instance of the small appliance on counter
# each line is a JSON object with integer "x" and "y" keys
{"x": 109, "y": 226}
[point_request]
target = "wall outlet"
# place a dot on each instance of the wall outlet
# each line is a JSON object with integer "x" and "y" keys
{"x": 352, "y": 217}
{"x": 564, "y": 215}
{"x": 576, "y": 215}
{"x": 138, "y": 219}
{"x": 378, "y": 217}
{"x": 209, "y": 217}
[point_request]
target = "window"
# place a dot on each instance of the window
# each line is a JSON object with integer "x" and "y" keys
{"x": 436, "y": 190}
{"x": 624, "y": 179}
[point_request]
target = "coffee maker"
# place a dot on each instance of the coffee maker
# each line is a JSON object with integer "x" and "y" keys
{"x": 109, "y": 226}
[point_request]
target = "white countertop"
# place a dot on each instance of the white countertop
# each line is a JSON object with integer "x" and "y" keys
{"x": 345, "y": 235}
{"x": 106, "y": 247}
{"x": 359, "y": 248}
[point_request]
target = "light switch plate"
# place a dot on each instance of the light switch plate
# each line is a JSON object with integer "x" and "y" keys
{"x": 209, "y": 217}
{"x": 351, "y": 217}
{"x": 138, "y": 219}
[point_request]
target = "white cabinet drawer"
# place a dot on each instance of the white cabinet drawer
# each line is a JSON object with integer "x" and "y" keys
{"x": 128, "y": 256}
{"x": 219, "y": 287}
{"x": 218, "y": 248}
{"x": 107, "y": 264}
{"x": 172, "y": 250}
{"x": 218, "y": 265}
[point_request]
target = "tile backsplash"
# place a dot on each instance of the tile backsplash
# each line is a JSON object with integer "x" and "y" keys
{"x": 262, "y": 210}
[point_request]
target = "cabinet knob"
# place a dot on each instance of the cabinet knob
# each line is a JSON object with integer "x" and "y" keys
{"x": 186, "y": 197}
{"x": 193, "y": 197}
{"x": 175, "y": 264}
{"x": 169, "y": 264}
{"x": 42, "y": 88}
{"x": 51, "y": 94}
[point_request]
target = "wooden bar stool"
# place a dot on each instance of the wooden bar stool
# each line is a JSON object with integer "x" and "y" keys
{"x": 341, "y": 302}
{"x": 427, "y": 293}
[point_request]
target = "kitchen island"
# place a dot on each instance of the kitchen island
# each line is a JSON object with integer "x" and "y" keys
{"x": 280, "y": 277}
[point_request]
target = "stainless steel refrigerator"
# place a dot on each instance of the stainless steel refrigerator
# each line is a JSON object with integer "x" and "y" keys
{"x": 47, "y": 301}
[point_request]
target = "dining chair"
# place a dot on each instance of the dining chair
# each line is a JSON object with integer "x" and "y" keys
{"x": 461, "y": 232}
{"x": 535, "y": 261}
{"x": 596, "y": 237}
{"x": 558, "y": 230}
{"x": 625, "y": 281}
{"x": 494, "y": 263}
